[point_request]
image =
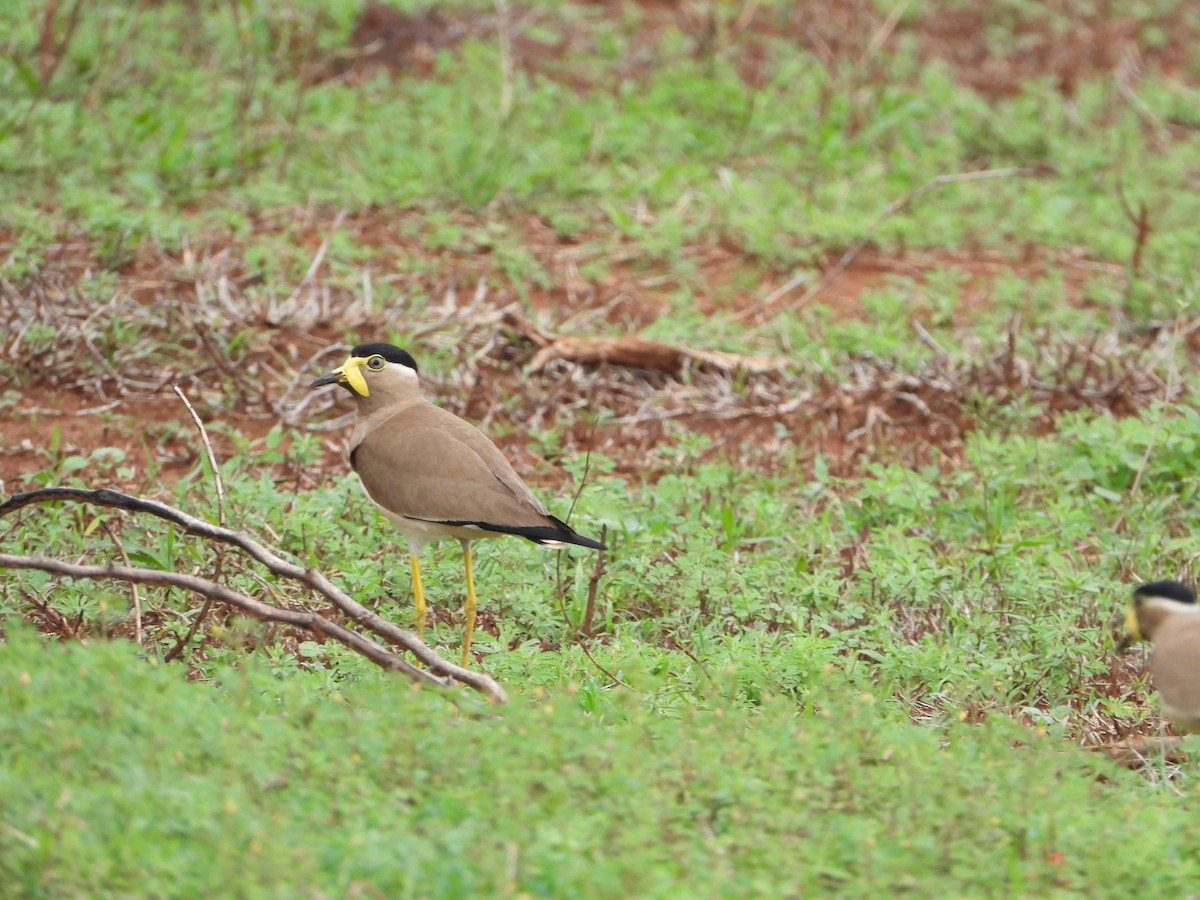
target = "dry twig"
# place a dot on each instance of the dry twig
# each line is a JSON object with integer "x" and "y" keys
{"x": 1142, "y": 227}
{"x": 632, "y": 351}
{"x": 137, "y": 600}
{"x": 582, "y": 638}
{"x": 208, "y": 451}
{"x": 310, "y": 578}
{"x": 593, "y": 585}
{"x": 589, "y": 613}
{"x": 176, "y": 651}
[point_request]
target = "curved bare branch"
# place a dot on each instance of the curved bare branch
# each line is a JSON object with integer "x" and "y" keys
{"x": 377, "y": 653}
{"x": 310, "y": 578}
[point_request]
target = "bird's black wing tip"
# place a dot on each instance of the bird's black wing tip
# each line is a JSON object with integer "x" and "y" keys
{"x": 568, "y": 535}
{"x": 591, "y": 543}
{"x": 557, "y": 533}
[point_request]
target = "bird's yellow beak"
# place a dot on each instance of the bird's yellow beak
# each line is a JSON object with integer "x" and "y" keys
{"x": 1133, "y": 634}
{"x": 1131, "y": 625}
{"x": 349, "y": 375}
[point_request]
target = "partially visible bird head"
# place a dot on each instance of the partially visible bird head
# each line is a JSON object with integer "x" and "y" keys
{"x": 382, "y": 365}
{"x": 1153, "y": 602}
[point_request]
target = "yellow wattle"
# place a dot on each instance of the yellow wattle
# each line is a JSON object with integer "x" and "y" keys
{"x": 1131, "y": 624}
{"x": 352, "y": 372}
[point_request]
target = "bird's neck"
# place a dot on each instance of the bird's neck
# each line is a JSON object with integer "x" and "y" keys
{"x": 373, "y": 412}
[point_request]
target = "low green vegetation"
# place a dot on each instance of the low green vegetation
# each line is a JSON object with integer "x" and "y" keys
{"x": 989, "y": 588}
{"x": 771, "y": 688}
{"x": 138, "y": 782}
{"x": 656, "y": 161}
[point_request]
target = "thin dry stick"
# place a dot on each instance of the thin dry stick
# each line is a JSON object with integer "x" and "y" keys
{"x": 108, "y": 64}
{"x": 137, "y": 601}
{"x": 57, "y": 53}
{"x": 319, "y": 258}
{"x": 1142, "y": 228}
{"x": 373, "y": 651}
{"x": 310, "y": 578}
{"x": 583, "y": 645}
{"x": 884, "y": 32}
{"x": 304, "y": 83}
{"x": 208, "y": 450}
{"x": 506, "y": 66}
{"x": 587, "y": 468}
{"x": 177, "y": 651}
{"x": 746, "y": 16}
{"x": 1127, "y": 73}
{"x": 597, "y": 571}
{"x": 1168, "y": 389}
{"x": 589, "y": 613}
{"x": 896, "y": 206}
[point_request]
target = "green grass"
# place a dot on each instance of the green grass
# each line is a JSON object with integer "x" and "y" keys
{"x": 139, "y": 781}
{"x": 990, "y": 587}
{"x": 845, "y": 677}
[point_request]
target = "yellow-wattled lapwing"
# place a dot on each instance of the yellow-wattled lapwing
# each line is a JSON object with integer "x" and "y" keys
{"x": 434, "y": 474}
{"x": 1165, "y": 614}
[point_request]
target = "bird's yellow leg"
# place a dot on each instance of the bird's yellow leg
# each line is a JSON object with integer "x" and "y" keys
{"x": 418, "y": 595}
{"x": 469, "y": 630}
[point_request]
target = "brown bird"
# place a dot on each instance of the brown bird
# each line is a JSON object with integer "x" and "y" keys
{"x": 433, "y": 474}
{"x": 1165, "y": 614}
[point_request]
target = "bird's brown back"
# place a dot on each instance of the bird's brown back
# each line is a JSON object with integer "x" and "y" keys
{"x": 426, "y": 463}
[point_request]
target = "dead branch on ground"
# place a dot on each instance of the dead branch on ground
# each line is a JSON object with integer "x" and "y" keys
{"x": 177, "y": 651}
{"x": 631, "y": 351}
{"x": 440, "y": 671}
{"x": 219, "y": 592}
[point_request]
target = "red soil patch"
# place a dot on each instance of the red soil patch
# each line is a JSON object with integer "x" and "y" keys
{"x": 871, "y": 272}
{"x": 188, "y": 306}
{"x": 77, "y": 425}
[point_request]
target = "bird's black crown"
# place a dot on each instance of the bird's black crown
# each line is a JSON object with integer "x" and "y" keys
{"x": 1168, "y": 590}
{"x": 389, "y": 352}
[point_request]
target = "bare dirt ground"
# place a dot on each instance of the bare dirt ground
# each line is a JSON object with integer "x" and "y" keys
{"x": 99, "y": 395}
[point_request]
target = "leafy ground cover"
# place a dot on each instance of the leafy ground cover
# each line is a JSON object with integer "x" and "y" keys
{"x": 870, "y": 587}
{"x": 263, "y": 786}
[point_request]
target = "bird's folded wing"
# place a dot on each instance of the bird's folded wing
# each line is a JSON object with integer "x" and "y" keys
{"x": 1175, "y": 664}
{"x": 447, "y": 471}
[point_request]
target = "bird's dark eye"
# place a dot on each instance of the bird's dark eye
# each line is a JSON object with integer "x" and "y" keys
{"x": 375, "y": 363}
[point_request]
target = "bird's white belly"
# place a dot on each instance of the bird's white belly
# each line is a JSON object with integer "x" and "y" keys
{"x": 420, "y": 533}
